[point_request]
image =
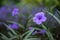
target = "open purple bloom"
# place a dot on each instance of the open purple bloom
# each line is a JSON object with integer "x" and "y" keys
{"x": 13, "y": 26}
{"x": 39, "y": 18}
{"x": 15, "y": 11}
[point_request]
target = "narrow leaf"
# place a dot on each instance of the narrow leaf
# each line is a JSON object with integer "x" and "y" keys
{"x": 48, "y": 32}
{"x": 4, "y": 37}
{"x": 34, "y": 39}
{"x": 10, "y": 34}
{"x": 55, "y": 17}
{"x": 25, "y": 33}
{"x": 28, "y": 35}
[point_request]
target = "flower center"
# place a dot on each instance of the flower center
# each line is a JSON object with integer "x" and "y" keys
{"x": 39, "y": 17}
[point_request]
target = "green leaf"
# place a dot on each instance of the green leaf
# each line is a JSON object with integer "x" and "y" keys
{"x": 10, "y": 34}
{"x": 58, "y": 12}
{"x": 33, "y": 39}
{"x": 25, "y": 33}
{"x": 54, "y": 17}
{"x": 13, "y": 37}
{"x": 4, "y": 37}
{"x": 28, "y": 35}
{"x": 48, "y": 32}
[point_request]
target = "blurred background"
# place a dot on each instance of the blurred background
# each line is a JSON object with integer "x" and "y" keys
{"x": 26, "y": 9}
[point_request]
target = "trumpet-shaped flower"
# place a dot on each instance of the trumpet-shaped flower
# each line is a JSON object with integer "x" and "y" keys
{"x": 39, "y": 18}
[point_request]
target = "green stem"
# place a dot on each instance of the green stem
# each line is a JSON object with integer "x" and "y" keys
{"x": 24, "y": 33}
{"x": 28, "y": 35}
{"x": 52, "y": 16}
{"x": 48, "y": 33}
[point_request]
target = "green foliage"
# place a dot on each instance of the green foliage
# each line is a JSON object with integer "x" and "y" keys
{"x": 50, "y": 3}
{"x": 4, "y": 37}
{"x": 33, "y": 2}
{"x": 26, "y": 35}
{"x": 53, "y": 16}
{"x": 33, "y": 39}
{"x": 48, "y": 33}
{"x": 1, "y": 3}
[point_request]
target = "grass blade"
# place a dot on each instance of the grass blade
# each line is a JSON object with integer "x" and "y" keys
{"x": 10, "y": 34}
{"x": 48, "y": 32}
{"x": 27, "y": 36}
{"x": 4, "y": 37}
{"x": 25, "y": 33}
{"x": 54, "y": 17}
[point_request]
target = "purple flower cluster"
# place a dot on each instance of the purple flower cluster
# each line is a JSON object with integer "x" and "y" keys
{"x": 15, "y": 11}
{"x": 6, "y": 12}
{"x": 3, "y": 13}
{"x": 39, "y": 18}
{"x": 42, "y": 31}
{"x": 13, "y": 26}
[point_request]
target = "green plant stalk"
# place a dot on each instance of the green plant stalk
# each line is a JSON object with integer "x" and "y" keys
{"x": 4, "y": 37}
{"x": 28, "y": 35}
{"x": 13, "y": 37}
{"x": 48, "y": 33}
{"x": 58, "y": 12}
{"x": 54, "y": 17}
{"x": 10, "y": 34}
{"x": 24, "y": 33}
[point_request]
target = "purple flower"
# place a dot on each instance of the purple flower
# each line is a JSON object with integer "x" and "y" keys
{"x": 39, "y": 18}
{"x": 3, "y": 13}
{"x": 35, "y": 32}
{"x": 42, "y": 31}
{"x": 13, "y": 26}
{"x": 30, "y": 28}
{"x": 15, "y": 11}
